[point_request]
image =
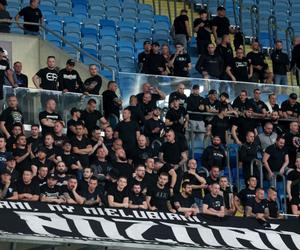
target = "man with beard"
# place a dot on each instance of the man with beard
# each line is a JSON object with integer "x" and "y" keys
{"x": 35, "y": 140}
{"x": 156, "y": 94}
{"x": 10, "y": 116}
{"x": 128, "y": 131}
{"x": 100, "y": 165}
{"x": 138, "y": 177}
{"x": 124, "y": 168}
{"x": 290, "y": 107}
{"x": 157, "y": 63}
{"x": 70, "y": 194}
{"x": 154, "y": 126}
{"x": 93, "y": 84}
{"x": 225, "y": 51}
{"x": 50, "y": 192}
{"x": 41, "y": 161}
{"x": 83, "y": 183}
{"x": 185, "y": 202}
{"x": 142, "y": 151}
{"x": 60, "y": 171}
{"x": 267, "y": 137}
{"x": 214, "y": 155}
{"x": 248, "y": 152}
{"x": 143, "y": 58}
{"x": 8, "y": 189}
{"x": 277, "y": 127}
{"x": 257, "y": 207}
{"x": 179, "y": 93}
{"x": 146, "y": 106}
{"x": 69, "y": 79}
{"x": 75, "y": 118}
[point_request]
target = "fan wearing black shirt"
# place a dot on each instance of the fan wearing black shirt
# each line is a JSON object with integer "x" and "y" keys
{"x": 180, "y": 62}
{"x": 22, "y": 154}
{"x": 146, "y": 107}
{"x": 7, "y": 187}
{"x": 92, "y": 194}
{"x": 248, "y": 193}
{"x": 90, "y": 116}
{"x": 158, "y": 196}
{"x": 82, "y": 146}
{"x": 154, "y": 126}
{"x": 75, "y": 118}
{"x": 128, "y": 131}
{"x": 181, "y": 28}
{"x": 225, "y": 51}
{"x": 276, "y": 158}
{"x": 121, "y": 165}
{"x": 100, "y": 165}
{"x": 4, "y": 71}
{"x": 290, "y": 107}
{"x": 213, "y": 202}
{"x": 20, "y": 78}
{"x": 240, "y": 69}
{"x": 4, "y": 14}
{"x": 137, "y": 199}
{"x": 220, "y": 25}
{"x": 143, "y": 58}
{"x": 226, "y": 193}
{"x": 143, "y": 151}
{"x": 135, "y": 108}
{"x": 41, "y": 176}
{"x": 185, "y": 202}
{"x": 257, "y": 207}
{"x": 35, "y": 140}
{"x": 28, "y": 190}
{"x": 118, "y": 195}
{"x": 157, "y": 62}
{"x": 62, "y": 178}
{"x": 260, "y": 108}
{"x": 69, "y": 79}
{"x": 111, "y": 102}
{"x": 295, "y": 205}
{"x": 51, "y": 150}
{"x": 178, "y": 93}
{"x": 93, "y": 84}
{"x": 257, "y": 60}
{"x": 46, "y": 78}
{"x": 272, "y": 206}
{"x": 50, "y": 192}
{"x": 41, "y": 160}
{"x": 49, "y": 117}
{"x": 214, "y": 155}
{"x": 31, "y": 14}
{"x": 202, "y": 26}
{"x": 70, "y": 194}
{"x": 10, "y": 116}
{"x": 156, "y": 94}
{"x": 293, "y": 181}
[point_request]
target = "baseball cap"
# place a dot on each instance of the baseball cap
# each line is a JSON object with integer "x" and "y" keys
{"x": 195, "y": 86}
{"x": 5, "y": 171}
{"x": 293, "y": 96}
{"x": 212, "y": 92}
{"x": 3, "y": 2}
{"x": 220, "y": 8}
{"x": 71, "y": 62}
{"x": 52, "y": 176}
{"x": 155, "y": 44}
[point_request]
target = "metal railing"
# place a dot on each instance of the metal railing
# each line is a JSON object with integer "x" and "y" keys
{"x": 274, "y": 180}
{"x": 290, "y": 36}
{"x": 45, "y": 30}
{"x": 272, "y": 29}
{"x": 254, "y": 14}
{"x": 235, "y": 149}
{"x": 258, "y": 164}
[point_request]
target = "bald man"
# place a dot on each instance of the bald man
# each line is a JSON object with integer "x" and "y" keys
{"x": 179, "y": 93}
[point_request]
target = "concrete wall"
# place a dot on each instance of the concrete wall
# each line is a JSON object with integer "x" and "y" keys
{"x": 33, "y": 53}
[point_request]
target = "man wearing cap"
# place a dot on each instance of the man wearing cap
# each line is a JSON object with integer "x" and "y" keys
{"x": 69, "y": 79}
{"x": 4, "y": 15}
{"x": 143, "y": 58}
{"x": 93, "y": 84}
{"x": 50, "y": 192}
{"x": 4, "y": 71}
{"x": 290, "y": 107}
{"x": 220, "y": 25}
{"x": 181, "y": 28}
{"x": 7, "y": 188}
{"x": 41, "y": 160}
{"x": 157, "y": 62}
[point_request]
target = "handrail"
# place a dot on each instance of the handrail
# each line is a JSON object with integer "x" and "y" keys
{"x": 204, "y": 170}
{"x": 272, "y": 29}
{"x": 169, "y": 10}
{"x": 254, "y": 14}
{"x": 229, "y": 169}
{"x": 175, "y": 8}
{"x": 290, "y": 35}
{"x": 65, "y": 41}
{"x": 274, "y": 178}
{"x": 230, "y": 148}
{"x": 154, "y": 7}
{"x": 260, "y": 166}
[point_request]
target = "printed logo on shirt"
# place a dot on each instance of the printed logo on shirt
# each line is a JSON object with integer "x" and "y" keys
{"x": 51, "y": 76}
{"x": 2, "y": 67}
{"x": 17, "y": 116}
{"x": 241, "y": 64}
{"x": 70, "y": 77}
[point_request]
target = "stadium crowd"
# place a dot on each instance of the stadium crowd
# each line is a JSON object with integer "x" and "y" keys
{"x": 142, "y": 161}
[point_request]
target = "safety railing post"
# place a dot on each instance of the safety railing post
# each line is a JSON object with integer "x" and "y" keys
{"x": 254, "y": 14}
{"x": 236, "y": 151}
{"x": 205, "y": 170}
{"x": 175, "y": 8}
{"x": 272, "y": 29}
{"x": 274, "y": 178}
{"x": 159, "y": 7}
{"x": 229, "y": 169}
{"x": 192, "y": 15}
{"x": 260, "y": 166}
{"x": 290, "y": 35}
{"x": 169, "y": 10}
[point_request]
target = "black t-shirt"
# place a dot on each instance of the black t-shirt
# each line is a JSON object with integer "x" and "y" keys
{"x": 59, "y": 140}
{"x": 25, "y": 164}
{"x": 241, "y": 106}
{"x": 31, "y": 15}
{"x": 276, "y": 158}
{"x": 214, "y": 156}
{"x": 150, "y": 179}
{"x": 273, "y": 208}
{"x": 90, "y": 119}
{"x": 85, "y": 193}
{"x": 179, "y": 24}
{"x": 256, "y": 59}
{"x": 4, "y": 27}
{"x": 203, "y": 34}
{"x": 10, "y": 191}
{"x": 80, "y": 144}
{"x": 4, "y": 66}
{"x": 181, "y": 61}
{"x": 35, "y": 143}
{"x": 137, "y": 199}
{"x": 156, "y": 61}
{"x": 154, "y": 98}
{"x": 245, "y": 195}
{"x": 146, "y": 108}
{"x": 109, "y": 105}
{"x": 69, "y": 80}
{"x": 143, "y": 58}
{"x": 182, "y": 97}
{"x": 294, "y": 177}
{"x": 124, "y": 169}
{"x": 226, "y": 53}
{"x": 177, "y": 117}
{"x": 92, "y": 85}
{"x": 197, "y": 193}
{"x": 32, "y": 188}
{"x": 239, "y": 68}
{"x": 257, "y": 207}
{"x": 258, "y": 105}
{"x": 213, "y": 202}
{"x": 159, "y": 197}
{"x": 280, "y": 62}
{"x": 185, "y": 202}
{"x": 150, "y": 125}
{"x": 36, "y": 162}
{"x": 226, "y": 197}
{"x": 212, "y": 64}
{"x": 22, "y": 80}
{"x": 10, "y": 117}
{"x": 48, "y": 78}
{"x": 39, "y": 180}
{"x": 172, "y": 152}
{"x": 244, "y": 125}
{"x": 296, "y": 201}
{"x": 70, "y": 123}
{"x": 141, "y": 155}
{"x": 193, "y": 102}
{"x": 118, "y": 195}
{"x": 286, "y": 106}
{"x": 46, "y": 115}
{"x": 219, "y": 127}
{"x": 127, "y": 133}
{"x": 222, "y": 24}
{"x": 54, "y": 192}
{"x": 69, "y": 160}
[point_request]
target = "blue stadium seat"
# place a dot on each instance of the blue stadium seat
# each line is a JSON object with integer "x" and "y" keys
{"x": 91, "y": 23}
{"x": 89, "y": 32}
{"x": 107, "y": 23}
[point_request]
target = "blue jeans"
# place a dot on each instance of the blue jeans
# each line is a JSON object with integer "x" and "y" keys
{"x": 281, "y": 79}
{"x": 33, "y": 33}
